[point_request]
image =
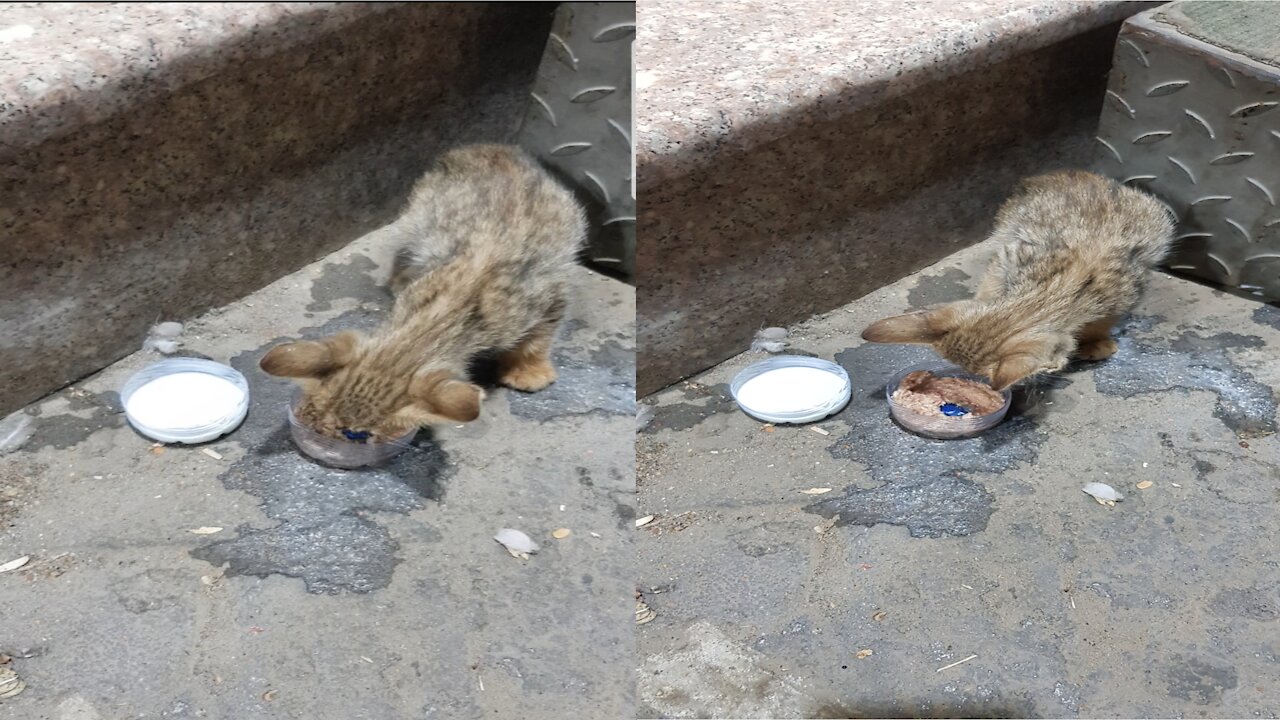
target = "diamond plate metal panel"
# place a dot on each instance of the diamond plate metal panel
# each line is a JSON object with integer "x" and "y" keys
{"x": 1199, "y": 126}
{"x": 579, "y": 121}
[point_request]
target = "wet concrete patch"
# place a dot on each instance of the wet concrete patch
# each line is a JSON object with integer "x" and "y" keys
{"x": 325, "y": 534}
{"x": 595, "y": 380}
{"x": 924, "y": 485}
{"x": 949, "y": 286}
{"x": 1142, "y": 366}
{"x": 1200, "y": 681}
{"x": 1194, "y": 342}
{"x": 705, "y": 401}
{"x": 347, "y": 281}
{"x": 66, "y": 430}
{"x": 1268, "y": 315}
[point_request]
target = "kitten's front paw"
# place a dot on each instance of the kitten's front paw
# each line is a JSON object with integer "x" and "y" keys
{"x": 1097, "y": 350}
{"x": 529, "y": 378}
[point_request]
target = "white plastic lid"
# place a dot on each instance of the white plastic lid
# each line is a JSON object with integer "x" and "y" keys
{"x": 791, "y": 389}
{"x": 186, "y": 400}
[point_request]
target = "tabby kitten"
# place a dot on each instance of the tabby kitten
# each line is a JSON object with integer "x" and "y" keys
{"x": 1075, "y": 251}
{"x": 487, "y": 243}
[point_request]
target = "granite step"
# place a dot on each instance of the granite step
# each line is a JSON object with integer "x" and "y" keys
{"x": 162, "y": 159}
{"x": 792, "y": 158}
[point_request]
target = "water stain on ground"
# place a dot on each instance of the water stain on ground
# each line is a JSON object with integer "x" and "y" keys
{"x": 1199, "y": 681}
{"x": 342, "y": 281}
{"x": 704, "y": 401}
{"x": 1268, "y": 315}
{"x": 326, "y": 532}
{"x": 1191, "y": 362}
{"x": 949, "y": 286}
{"x": 923, "y": 485}
{"x": 66, "y": 430}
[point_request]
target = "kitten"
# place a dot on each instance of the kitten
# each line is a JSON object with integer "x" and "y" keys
{"x": 488, "y": 243}
{"x": 1075, "y": 251}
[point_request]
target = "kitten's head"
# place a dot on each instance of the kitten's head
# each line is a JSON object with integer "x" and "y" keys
{"x": 351, "y": 393}
{"x": 984, "y": 343}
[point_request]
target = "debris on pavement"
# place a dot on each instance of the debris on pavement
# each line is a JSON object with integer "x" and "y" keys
{"x": 826, "y": 525}
{"x": 771, "y": 340}
{"x": 212, "y": 453}
{"x": 878, "y": 615}
{"x": 561, "y": 533}
{"x": 206, "y": 530}
{"x": 1103, "y": 493}
{"x": 15, "y": 430}
{"x": 163, "y": 338}
{"x": 641, "y": 522}
{"x": 10, "y": 683}
{"x": 157, "y": 449}
{"x": 1145, "y": 484}
{"x": 517, "y": 543}
{"x": 15, "y": 564}
{"x": 819, "y": 430}
{"x": 816, "y": 491}
{"x": 644, "y": 613}
{"x": 958, "y": 662}
{"x": 862, "y": 654}
{"x": 269, "y": 695}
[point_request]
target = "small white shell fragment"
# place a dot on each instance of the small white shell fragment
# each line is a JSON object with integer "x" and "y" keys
{"x": 15, "y": 564}
{"x": 517, "y": 543}
{"x": 167, "y": 330}
{"x": 1103, "y": 493}
{"x": 816, "y": 491}
{"x": 641, "y": 522}
{"x": 770, "y": 340}
{"x": 205, "y": 530}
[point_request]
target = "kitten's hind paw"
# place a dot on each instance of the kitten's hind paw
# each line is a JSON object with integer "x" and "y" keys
{"x": 1097, "y": 350}
{"x": 529, "y": 378}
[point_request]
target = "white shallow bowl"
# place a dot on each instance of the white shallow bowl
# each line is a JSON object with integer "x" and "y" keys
{"x": 194, "y": 434}
{"x": 803, "y": 410}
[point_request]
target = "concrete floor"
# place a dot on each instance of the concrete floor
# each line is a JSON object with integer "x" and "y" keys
{"x": 774, "y": 603}
{"x": 329, "y": 594}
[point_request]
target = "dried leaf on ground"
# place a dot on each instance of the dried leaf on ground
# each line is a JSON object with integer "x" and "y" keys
{"x": 879, "y": 615}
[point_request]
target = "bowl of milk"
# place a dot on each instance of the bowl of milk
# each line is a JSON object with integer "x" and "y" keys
{"x": 186, "y": 400}
{"x": 791, "y": 389}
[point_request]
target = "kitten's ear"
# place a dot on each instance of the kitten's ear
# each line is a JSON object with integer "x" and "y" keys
{"x": 918, "y": 328}
{"x": 439, "y": 394}
{"x": 311, "y": 358}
